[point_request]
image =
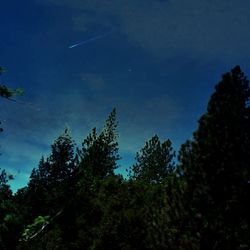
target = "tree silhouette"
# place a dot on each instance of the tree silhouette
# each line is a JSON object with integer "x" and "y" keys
{"x": 99, "y": 153}
{"x": 154, "y": 161}
{"x": 201, "y": 204}
{"x": 216, "y": 164}
{"x": 50, "y": 182}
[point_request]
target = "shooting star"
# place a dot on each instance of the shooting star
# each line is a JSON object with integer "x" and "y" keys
{"x": 91, "y": 39}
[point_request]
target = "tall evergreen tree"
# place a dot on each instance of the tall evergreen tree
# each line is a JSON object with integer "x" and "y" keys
{"x": 62, "y": 160}
{"x": 51, "y": 181}
{"x": 5, "y": 191}
{"x": 154, "y": 161}
{"x": 216, "y": 164}
{"x": 39, "y": 176}
{"x": 5, "y": 211}
{"x": 38, "y": 189}
{"x": 99, "y": 153}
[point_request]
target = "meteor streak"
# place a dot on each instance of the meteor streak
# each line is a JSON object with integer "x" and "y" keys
{"x": 90, "y": 39}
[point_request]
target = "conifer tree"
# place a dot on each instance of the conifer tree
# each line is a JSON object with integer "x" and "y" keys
{"x": 154, "y": 161}
{"x": 6, "y": 210}
{"x": 62, "y": 160}
{"x": 39, "y": 176}
{"x": 99, "y": 153}
{"x": 216, "y": 164}
{"x": 50, "y": 182}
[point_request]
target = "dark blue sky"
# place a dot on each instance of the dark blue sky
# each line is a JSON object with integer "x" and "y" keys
{"x": 158, "y": 68}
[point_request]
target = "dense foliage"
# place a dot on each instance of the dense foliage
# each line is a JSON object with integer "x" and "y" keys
{"x": 74, "y": 199}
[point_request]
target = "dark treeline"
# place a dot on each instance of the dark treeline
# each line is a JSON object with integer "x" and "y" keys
{"x": 74, "y": 200}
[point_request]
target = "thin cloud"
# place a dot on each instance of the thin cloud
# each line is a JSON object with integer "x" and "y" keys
{"x": 196, "y": 28}
{"x": 94, "y": 81}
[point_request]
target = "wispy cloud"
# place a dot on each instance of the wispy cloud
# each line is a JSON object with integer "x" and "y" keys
{"x": 194, "y": 28}
{"x": 94, "y": 81}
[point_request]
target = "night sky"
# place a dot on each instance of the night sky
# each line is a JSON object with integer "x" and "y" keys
{"x": 156, "y": 61}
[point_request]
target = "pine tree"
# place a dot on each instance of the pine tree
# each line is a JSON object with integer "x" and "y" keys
{"x": 50, "y": 184}
{"x": 154, "y": 161}
{"x": 6, "y": 212}
{"x": 38, "y": 189}
{"x": 39, "y": 176}
{"x": 99, "y": 153}
{"x": 216, "y": 164}
{"x": 62, "y": 160}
